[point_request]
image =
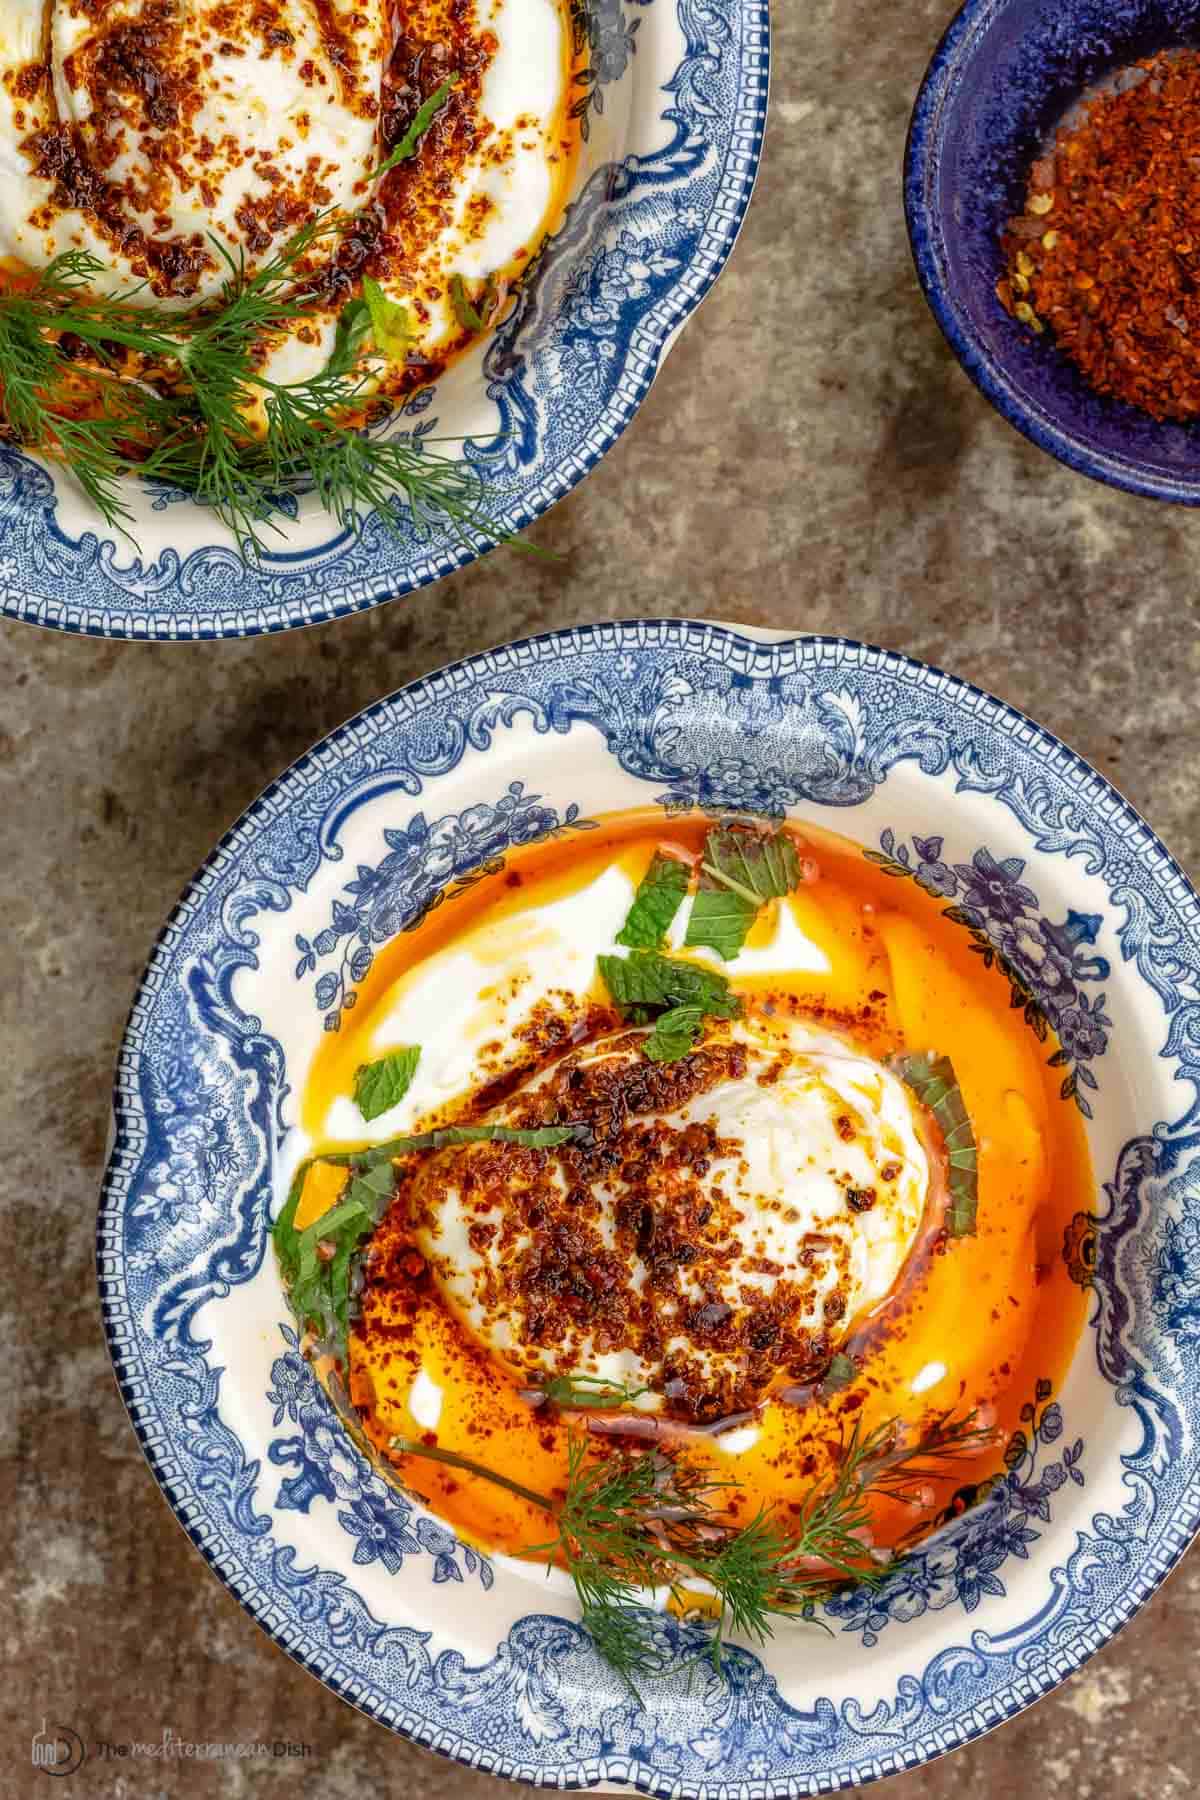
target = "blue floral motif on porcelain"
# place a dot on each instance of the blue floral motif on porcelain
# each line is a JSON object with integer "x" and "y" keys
{"x": 672, "y": 103}
{"x": 327, "y": 1466}
{"x": 1047, "y": 871}
{"x": 963, "y": 1563}
{"x": 1177, "y": 1268}
{"x": 427, "y": 865}
{"x": 604, "y": 39}
{"x": 1045, "y": 963}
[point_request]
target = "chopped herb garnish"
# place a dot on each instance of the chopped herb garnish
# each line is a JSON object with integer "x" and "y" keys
{"x": 539, "y": 1137}
{"x": 474, "y": 315}
{"x": 741, "y": 869}
{"x": 761, "y": 865}
{"x": 655, "y": 904}
{"x": 190, "y": 428}
{"x": 283, "y": 1232}
{"x": 379, "y": 1086}
{"x": 426, "y": 115}
{"x": 352, "y": 340}
{"x": 933, "y": 1081}
{"x": 675, "y": 1033}
{"x": 720, "y": 919}
{"x": 579, "y": 1392}
{"x": 316, "y": 1263}
{"x": 649, "y": 980}
{"x": 391, "y": 322}
{"x": 840, "y": 1373}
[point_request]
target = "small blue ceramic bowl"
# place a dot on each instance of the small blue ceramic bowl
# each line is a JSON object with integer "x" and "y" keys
{"x": 1000, "y": 81}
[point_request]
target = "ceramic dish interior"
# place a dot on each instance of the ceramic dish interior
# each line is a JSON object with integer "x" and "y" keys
{"x": 1095, "y": 1495}
{"x": 1003, "y": 77}
{"x": 671, "y": 105}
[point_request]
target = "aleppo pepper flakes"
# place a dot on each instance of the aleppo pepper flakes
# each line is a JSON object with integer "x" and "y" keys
{"x": 1107, "y": 253}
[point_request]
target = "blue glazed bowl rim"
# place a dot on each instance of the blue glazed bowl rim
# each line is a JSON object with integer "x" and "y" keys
{"x": 921, "y": 156}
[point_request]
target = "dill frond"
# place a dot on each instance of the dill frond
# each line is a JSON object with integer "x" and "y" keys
{"x": 190, "y": 403}
{"x": 640, "y": 1521}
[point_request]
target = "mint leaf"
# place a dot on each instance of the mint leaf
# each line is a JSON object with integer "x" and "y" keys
{"x": 283, "y": 1232}
{"x": 646, "y": 979}
{"x": 655, "y": 904}
{"x": 593, "y": 1391}
{"x": 391, "y": 322}
{"x": 674, "y": 1034}
{"x": 317, "y": 1262}
{"x": 742, "y": 868}
{"x": 933, "y": 1081}
{"x": 339, "y": 1282}
{"x": 758, "y": 865}
{"x": 379, "y": 1086}
{"x": 720, "y": 919}
{"x": 416, "y": 131}
{"x": 350, "y": 339}
{"x": 380, "y": 1178}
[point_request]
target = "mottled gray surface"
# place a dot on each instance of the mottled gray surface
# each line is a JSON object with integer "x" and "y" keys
{"x": 811, "y": 458}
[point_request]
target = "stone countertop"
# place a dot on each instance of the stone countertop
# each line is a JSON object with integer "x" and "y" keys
{"x": 811, "y": 458}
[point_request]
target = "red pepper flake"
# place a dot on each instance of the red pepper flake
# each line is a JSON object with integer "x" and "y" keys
{"x": 1106, "y": 255}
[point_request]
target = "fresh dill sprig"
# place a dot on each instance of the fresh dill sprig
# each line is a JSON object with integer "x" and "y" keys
{"x": 91, "y": 425}
{"x": 632, "y": 1523}
{"x": 116, "y": 390}
{"x": 353, "y": 473}
{"x": 612, "y": 1552}
{"x": 899, "y": 1471}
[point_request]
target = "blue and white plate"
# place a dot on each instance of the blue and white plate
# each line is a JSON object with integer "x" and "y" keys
{"x": 673, "y": 119}
{"x": 487, "y": 1662}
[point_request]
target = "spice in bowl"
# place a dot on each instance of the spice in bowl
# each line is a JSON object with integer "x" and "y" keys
{"x": 1106, "y": 256}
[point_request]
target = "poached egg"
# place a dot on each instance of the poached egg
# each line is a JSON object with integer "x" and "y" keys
{"x": 159, "y": 125}
{"x": 498, "y": 988}
{"x": 734, "y": 1216}
{"x": 166, "y": 137}
{"x": 727, "y": 1224}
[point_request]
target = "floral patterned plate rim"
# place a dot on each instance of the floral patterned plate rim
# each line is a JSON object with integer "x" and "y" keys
{"x": 1049, "y": 872}
{"x": 673, "y": 105}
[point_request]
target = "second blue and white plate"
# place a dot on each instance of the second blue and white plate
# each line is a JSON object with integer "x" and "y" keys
{"x": 674, "y": 118}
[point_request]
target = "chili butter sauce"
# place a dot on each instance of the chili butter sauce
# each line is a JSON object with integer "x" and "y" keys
{"x": 973, "y": 1324}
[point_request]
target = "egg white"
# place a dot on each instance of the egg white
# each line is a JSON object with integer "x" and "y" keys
{"x": 512, "y": 169}
{"x": 267, "y": 122}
